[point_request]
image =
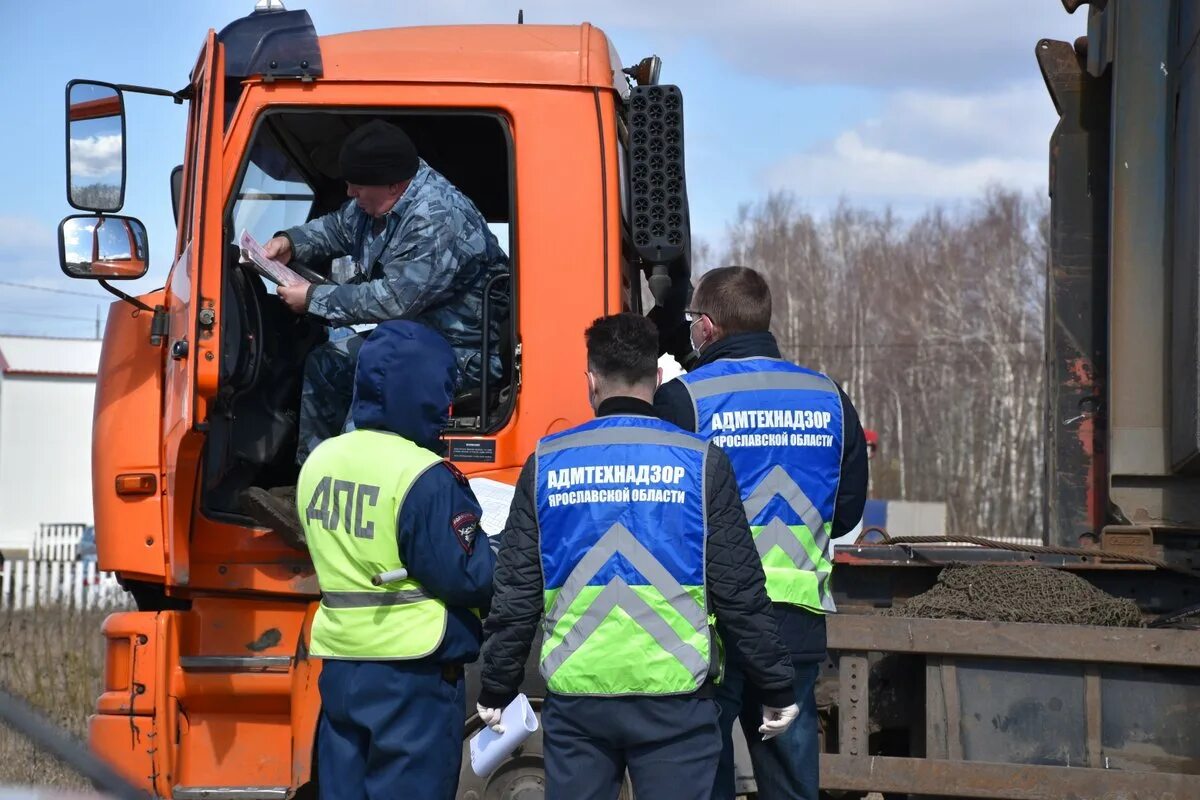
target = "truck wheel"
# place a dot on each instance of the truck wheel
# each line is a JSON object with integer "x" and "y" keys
{"x": 521, "y": 779}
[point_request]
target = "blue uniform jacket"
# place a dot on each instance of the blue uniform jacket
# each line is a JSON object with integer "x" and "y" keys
{"x": 404, "y": 386}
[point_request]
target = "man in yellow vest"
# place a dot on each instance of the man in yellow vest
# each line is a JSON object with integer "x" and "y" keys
{"x": 403, "y": 565}
{"x": 628, "y": 537}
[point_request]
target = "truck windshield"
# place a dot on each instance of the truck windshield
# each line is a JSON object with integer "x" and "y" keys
{"x": 273, "y": 195}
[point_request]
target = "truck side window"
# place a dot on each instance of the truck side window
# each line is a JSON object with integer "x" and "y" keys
{"x": 273, "y": 195}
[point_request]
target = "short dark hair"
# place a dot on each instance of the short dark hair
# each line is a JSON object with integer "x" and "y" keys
{"x": 736, "y": 299}
{"x": 623, "y": 347}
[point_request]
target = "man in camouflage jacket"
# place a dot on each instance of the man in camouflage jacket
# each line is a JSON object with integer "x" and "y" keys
{"x": 422, "y": 251}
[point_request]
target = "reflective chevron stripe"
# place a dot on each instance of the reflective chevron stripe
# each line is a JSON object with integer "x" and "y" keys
{"x": 778, "y": 482}
{"x": 776, "y": 533}
{"x": 782, "y": 586}
{"x": 618, "y": 540}
{"x": 826, "y": 593}
{"x": 618, "y": 594}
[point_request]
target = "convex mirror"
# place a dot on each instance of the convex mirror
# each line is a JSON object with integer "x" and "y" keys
{"x": 105, "y": 247}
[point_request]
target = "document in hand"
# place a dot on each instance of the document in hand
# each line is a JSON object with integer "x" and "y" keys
{"x": 489, "y": 748}
{"x": 495, "y": 498}
{"x": 269, "y": 268}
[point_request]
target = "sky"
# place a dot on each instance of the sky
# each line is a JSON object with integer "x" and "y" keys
{"x": 884, "y": 103}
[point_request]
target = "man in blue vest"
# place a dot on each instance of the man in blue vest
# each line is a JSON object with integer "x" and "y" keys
{"x": 801, "y": 461}
{"x": 626, "y": 538}
{"x": 380, "y": 507}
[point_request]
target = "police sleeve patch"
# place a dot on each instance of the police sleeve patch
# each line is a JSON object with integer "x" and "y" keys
{"x": 465, "y": 526}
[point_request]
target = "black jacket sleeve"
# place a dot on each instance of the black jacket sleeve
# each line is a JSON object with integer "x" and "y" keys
{"x": 441, "y": 541}
{"x": 673, "y": 404}
{"x": 517, "y": 599}
{"x": 737, "y": 587}
{"x": 852, "y": 487}
{"x": 668, "y": 317}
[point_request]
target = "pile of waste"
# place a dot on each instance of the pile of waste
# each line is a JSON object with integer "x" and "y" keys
{"x": 1018, "y": 594}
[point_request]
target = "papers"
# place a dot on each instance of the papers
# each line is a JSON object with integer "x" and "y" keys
{"x": 272, "y": 270}
{"x": 494, "y": 498}
{"x": 489, "y": 748}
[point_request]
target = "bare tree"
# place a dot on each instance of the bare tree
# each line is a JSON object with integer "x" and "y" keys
{"x": 934, "y": 329}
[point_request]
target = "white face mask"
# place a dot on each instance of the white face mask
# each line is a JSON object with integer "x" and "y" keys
{"x": 692, "y": 340}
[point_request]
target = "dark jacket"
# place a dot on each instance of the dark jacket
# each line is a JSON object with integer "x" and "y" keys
{"x": 734, "y": 577}
{"x": 404, "y": 383}
{"x": 802, "y": 631}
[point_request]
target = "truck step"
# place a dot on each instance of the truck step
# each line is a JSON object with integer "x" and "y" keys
{"x": 229, "y": 792}
{"x": 234, "y": 663}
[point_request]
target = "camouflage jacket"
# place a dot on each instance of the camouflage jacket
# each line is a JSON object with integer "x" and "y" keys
{"x": 429, "y": 264}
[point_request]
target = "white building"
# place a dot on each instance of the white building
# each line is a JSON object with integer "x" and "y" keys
{"x": 47, "y": 389}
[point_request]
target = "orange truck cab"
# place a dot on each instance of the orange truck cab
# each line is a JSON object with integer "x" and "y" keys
{"x": 577, "y": 164}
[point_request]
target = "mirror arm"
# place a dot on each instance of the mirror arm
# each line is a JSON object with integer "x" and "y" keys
{"x": 158, "y": 325}
{"x": 183, "y": 94}
{"x": 133, "y": 301}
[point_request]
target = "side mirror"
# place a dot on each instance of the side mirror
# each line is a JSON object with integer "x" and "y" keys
{"x": 114, "y": 248}
{"x": 95, "y": 146}
{"x": 646, "y": 71}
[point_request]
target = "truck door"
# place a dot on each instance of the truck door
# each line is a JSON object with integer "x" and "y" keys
{"x": 190, "y": 372}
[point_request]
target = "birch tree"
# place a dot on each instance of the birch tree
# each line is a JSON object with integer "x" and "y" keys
{"x": 933, "y": 327}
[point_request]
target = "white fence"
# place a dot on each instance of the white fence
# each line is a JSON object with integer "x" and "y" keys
{"x": 28, "y": 584}
{"x": 58, "y": 541}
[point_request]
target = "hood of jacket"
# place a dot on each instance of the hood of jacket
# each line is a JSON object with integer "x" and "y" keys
{"x": 405, "y": 382}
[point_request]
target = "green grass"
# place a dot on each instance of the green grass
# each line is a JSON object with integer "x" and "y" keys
{"x": 54, "y": 659}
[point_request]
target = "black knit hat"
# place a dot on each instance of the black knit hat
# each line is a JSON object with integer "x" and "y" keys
{"x": 377, "y": 154}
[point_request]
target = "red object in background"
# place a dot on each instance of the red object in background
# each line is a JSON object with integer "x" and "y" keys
{"x": 872, "y": 442}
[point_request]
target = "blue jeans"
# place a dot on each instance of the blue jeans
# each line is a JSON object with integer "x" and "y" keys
{"x": 327, "y": 390}
{"x": 786, "y": 767}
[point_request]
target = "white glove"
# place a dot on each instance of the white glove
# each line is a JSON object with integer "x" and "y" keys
{"x": 491, "y": 717}
{"x": 777, "y": 720}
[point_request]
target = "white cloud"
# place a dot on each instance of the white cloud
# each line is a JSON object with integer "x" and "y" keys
{"x": 852, "y": 168}
{"x": 1012, "y": 121}
{"x": 883, "y": 43}
{"x": 96, "y": 156}
{"x": 926, "y": 146}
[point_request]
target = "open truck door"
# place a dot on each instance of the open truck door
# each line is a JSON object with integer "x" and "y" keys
{"x": 192, "y": 298}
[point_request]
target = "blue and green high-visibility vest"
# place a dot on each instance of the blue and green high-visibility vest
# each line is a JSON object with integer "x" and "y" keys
{"x": 781, "y": 426}
{"x": 620, "y": 506}
{"x": 349, "y": 495}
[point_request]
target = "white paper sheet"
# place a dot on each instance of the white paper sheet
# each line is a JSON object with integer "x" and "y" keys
{"x": 269, "y": 268}
{"x": 494, "y": 498}
{"x": 489, "y": 748}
